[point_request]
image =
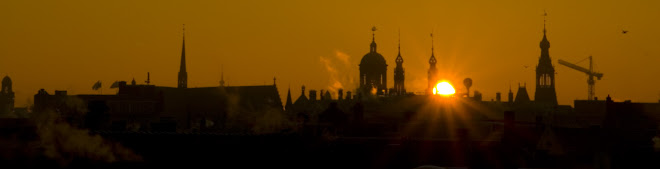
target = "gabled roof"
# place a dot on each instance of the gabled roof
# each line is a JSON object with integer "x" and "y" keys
{"x": 522, "y": 96}
{"x": 301, "y": 100}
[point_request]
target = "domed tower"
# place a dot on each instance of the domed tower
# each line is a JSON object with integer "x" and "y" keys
{"x": 6, "y": 96}
{"x": 399, "y": 78}
{"x": 433, "y": 72}
{"x": 545, "y": 75}
{"x": 373, "y": 70}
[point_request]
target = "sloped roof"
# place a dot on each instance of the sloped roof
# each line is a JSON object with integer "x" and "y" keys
{"x": 246, "y": 98}
{"x": 522, "y": 96}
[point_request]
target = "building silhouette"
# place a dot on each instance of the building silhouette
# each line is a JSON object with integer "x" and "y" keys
{"x": 145, "y": 107}
{"x": 520, "y": 133}
{"x": 399, "y": 74}
{"x": 545, "y": 75}
{"x": 373, "y": 70}
{"x": 6, "y": 96}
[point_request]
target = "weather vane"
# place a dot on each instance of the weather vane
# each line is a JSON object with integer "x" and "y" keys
{"x": 545, "y": 14}
{"x": 432, "y": 41}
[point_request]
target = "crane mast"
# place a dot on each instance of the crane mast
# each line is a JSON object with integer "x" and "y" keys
{"x": 590, "y": 72}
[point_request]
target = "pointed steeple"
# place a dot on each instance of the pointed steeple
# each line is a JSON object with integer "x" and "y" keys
{"x": 289, "y": 104}
{"x": 432, "y": 60}
{"x": 183, "y": 75}
{"x": 222, "y": 77}
{"x": 183, "y": 52}
{"x": 399, "y": 59}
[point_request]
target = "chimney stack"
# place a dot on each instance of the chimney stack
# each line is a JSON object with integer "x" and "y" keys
{"x": 312, "y": 95}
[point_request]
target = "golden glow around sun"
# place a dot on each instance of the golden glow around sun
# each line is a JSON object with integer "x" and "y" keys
{"x": 444, "y": 88}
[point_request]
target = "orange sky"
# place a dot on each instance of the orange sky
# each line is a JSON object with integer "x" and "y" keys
{"x": 69, "y": 45}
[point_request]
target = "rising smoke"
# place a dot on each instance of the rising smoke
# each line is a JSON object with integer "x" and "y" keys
{"x": 59, "y": 141}
{"x": 340, "y": 71}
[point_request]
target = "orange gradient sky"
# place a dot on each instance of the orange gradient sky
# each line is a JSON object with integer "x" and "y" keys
{"x": 69, "y": 45}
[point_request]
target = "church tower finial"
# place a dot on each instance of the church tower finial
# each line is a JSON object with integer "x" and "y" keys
{"x": 432, "y": 45}
{"x": 183, "y": 75}
{"x": 545, "y": 14}
{"x": 373, "y": 39}
{"x": 373, "y": 33}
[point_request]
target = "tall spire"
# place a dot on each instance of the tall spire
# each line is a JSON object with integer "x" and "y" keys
{"x": 399, "y": 42}
{"x": 183, "y": 75}
{"x": 289, "y": 103}
{"x": 183, "y": 51}
{"x": 399, "y": 59}
{"x": 432, "y": 44}
{"x": 432, "y": 60}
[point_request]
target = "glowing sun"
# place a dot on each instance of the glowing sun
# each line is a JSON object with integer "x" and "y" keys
{"x": 444, "y": 88}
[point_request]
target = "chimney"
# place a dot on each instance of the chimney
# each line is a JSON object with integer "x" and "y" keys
{"x": 348, "y": 95}
{"x": 340, "y": 94}
{"x": 321, "y": 94}
{"x": 477, "y": 96}
{"x": 312, "y": 95}
{"x": 498, "y": 97}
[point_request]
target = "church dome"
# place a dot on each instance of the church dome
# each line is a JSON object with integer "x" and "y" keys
{"x": 373, "y": 58}
{"x": 6, "y": 81}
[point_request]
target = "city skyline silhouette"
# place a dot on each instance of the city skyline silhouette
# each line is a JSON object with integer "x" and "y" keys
{"x": 338, "y": 84}
{"x": 496, "y": 48}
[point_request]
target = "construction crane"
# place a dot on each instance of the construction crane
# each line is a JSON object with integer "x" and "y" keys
{"x": 590, "y": 72}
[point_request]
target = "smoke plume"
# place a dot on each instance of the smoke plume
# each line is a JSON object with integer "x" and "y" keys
{"x": 56, "y": 139}
{"x": 339, "y": 71}
{"x": 64, "y": 143}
